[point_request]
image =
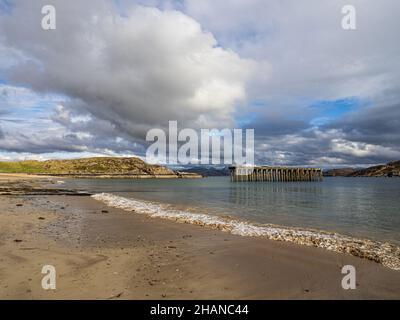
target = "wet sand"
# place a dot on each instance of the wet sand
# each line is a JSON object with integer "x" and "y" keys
{"x": 107, "y": 253}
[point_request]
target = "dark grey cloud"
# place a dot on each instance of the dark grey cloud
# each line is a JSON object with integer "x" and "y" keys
{"x": 62, "y": 141}
{"x": 375, "y": 125}
{"x": 278, "y": 126}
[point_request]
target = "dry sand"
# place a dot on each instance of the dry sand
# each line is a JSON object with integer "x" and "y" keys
{"x": 107, "y": 253}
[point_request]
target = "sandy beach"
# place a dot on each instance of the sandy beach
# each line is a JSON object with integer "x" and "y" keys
{"x": 107, "y": 253}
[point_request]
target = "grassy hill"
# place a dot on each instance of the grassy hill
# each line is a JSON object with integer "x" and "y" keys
{"x": 86, "y": 166}
{"x": 391, "y": 169}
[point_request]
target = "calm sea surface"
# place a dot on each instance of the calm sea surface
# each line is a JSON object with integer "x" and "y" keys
{"x": 360, "y": 207}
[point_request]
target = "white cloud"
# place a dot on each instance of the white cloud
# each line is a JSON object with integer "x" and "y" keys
{"x": 359, "y": 149}
{"x": 145, "y": 68}
{"x": 310, "y": 56}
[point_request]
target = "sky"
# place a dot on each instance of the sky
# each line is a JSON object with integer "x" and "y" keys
{"x": 315, "y": 94}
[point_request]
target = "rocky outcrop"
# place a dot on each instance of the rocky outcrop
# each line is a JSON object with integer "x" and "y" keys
{"x": 33, "y": 188}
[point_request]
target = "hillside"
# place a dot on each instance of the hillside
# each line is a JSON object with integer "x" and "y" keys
{"x": 391, "y": 169}
{"x": 102, "y": 166}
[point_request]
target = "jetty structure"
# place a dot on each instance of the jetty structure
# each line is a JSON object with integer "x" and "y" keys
{"x": 278, "y": 174}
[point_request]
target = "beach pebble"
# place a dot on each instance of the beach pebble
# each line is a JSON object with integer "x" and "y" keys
{"x": 19, "y": 204}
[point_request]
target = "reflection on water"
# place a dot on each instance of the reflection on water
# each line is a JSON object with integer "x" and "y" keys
{"x": 362, "y": 207}
{"x": 254, "y": 193}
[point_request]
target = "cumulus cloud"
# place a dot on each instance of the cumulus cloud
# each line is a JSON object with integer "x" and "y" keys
{"x": 135, "y": 71}
{"x": 310, "y": 54}
{"x": 312, "y": 58}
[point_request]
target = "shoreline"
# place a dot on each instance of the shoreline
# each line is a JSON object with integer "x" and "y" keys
{"x": 34, "y": 176}
{"x": 384, "y": 253}
{"x": 104, "y": 253}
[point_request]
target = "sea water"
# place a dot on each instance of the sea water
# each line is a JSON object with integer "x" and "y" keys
{"x": 357, "y": 207}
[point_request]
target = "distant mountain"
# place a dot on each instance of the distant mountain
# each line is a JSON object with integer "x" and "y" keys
{"x": 97, "y": 166}
{"x": 342, "y": 172}
{"x": 391, "y": 169}
{"x": 207, "y": 171}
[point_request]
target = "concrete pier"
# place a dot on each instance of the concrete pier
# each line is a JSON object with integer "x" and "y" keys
{"x": 266, "y": 173}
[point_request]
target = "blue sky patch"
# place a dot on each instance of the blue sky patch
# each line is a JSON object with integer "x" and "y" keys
{"x": 329, "y": 110}
{"x": 6, "y": 7}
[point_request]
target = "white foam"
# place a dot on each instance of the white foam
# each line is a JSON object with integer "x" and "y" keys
{"x": 385, "y": 253}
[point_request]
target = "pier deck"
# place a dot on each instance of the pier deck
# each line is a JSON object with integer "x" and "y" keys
{"x": 267, "y": 173}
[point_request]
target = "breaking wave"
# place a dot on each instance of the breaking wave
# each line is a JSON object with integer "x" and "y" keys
{"x": 385, "y": 253}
